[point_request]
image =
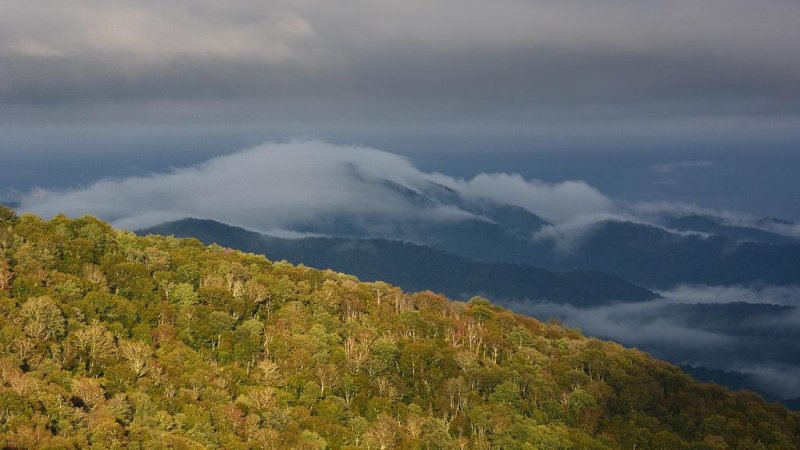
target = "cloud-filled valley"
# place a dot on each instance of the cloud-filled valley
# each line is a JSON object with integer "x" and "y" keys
{"x": 752, "y": 330}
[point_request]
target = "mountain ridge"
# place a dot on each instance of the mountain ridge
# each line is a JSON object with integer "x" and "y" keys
{"x": 416, "y": 267}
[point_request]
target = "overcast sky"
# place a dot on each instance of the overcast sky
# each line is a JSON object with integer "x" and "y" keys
{"x": 485, "y": 64}
{"x": 94, "y": 88}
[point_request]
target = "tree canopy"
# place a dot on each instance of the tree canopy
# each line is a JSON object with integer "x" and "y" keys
{"x": 110, "y": 340}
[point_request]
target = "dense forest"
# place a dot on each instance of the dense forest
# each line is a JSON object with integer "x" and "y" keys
{"x": 111, "y": 340}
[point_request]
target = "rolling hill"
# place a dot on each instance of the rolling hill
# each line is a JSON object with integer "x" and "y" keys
{"x": 112, "y": 340}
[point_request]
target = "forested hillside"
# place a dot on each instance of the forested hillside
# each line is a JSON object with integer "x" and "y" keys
{"x": 111, "y": 340}
{"x": 417, "y": 267}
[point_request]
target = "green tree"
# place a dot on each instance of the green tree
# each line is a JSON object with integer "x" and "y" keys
{"x": 183, "y": 294}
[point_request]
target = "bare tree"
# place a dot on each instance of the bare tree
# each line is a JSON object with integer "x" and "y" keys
{"x": 138, "y": 355}
{"x": 41, "y": 318}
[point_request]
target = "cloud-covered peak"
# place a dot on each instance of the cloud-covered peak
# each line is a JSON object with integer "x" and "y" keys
{"x": 310, "y": 185}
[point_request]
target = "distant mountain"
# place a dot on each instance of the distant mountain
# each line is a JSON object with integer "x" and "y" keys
{"x": 415, "y": 267}
{"x": 692, "y": 248}
{"x": 708, "y": 224}
{"x": 654, "y": 257}
{"x": 770, "y": 221}
{"x": 479, "y": 220}
{"x": 648, "y": 255}
{"x": 704, "y": 250}
{"x": 733, "y": 380}
{"x": 644, "y": 254}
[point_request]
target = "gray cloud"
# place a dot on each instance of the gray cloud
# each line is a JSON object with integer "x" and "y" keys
{"x": 363, "y": 62}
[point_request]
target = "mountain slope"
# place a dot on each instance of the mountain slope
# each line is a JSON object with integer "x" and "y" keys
{"x": 654, "y": 257}
{"x": 110, "y": 340}
{"x": 708, "y": 224}
{"x": 644, "y": 254}
{"x": 415, "y": 267}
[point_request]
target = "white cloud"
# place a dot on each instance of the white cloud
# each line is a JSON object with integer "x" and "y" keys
{"x": 780, "y": 381}
{"x": 772, "y": 295}
{"x": 779, "y": 227}
{"x": 556, "y": 202}
{"x": 309, "y": 186}
{"x": 568, "y": 235}
{"x": 633, "y": 324}
{"x": 265, "y": 187}
{"x": 303, "y": 185}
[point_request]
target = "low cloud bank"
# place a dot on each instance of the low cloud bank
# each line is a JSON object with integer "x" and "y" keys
{"x": 752, "y": 330}
{"x": 303, "y": 184}
{"x": 654, "y": 211}
{"x": 309, "y": 186}
{"x": 556, "y": 202}
{"x": 771, "y": 295}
